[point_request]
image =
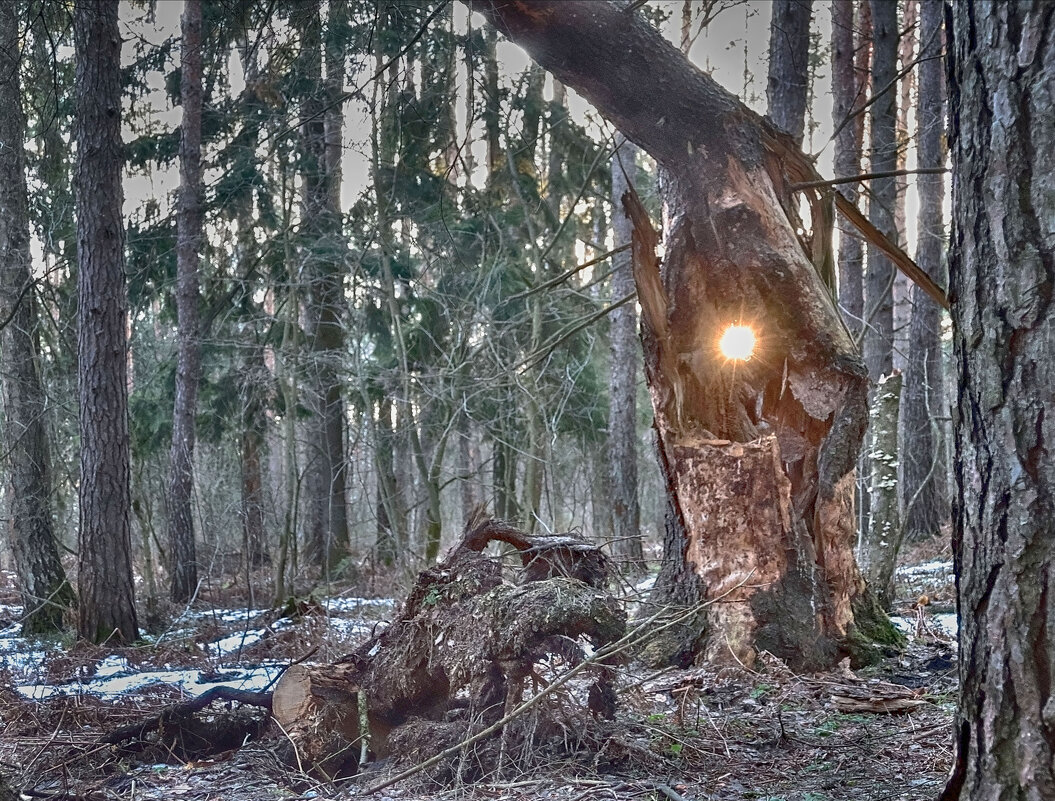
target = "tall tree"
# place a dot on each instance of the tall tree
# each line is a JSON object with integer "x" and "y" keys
{"x": 183, "y": 567}
{"x": 46, "y": 595}
{"x": 107, "y": 601}
{"x": 879, "y": 277}
{"x": 324, "y": 253}
{"x": 1002, "y": 276}
{"x": 622, "y": 385}
{"x": 789, "y": 55}
{"x": 902, "y": 289}
{"x": 849, "y": 83}
{"x": 923, "y": 483}
{"x": 731, "y": 257}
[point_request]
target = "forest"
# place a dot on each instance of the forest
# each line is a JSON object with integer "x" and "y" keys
{"x": 527, "y": 399}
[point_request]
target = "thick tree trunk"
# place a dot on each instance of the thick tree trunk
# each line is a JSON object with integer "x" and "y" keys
{"x": 879, "y": 277}
{"x": 924, "y": 487}
{"x": 107, "y": 600}
{"x": 46, "y": 595}
{"x": 1002, "y": 275}
{"x": 877, "y": 552}
{"x": 848, "y": 89}
{"x": 183, "y": 567}
{"x": 622, "y": 382}
{"x": 794, "y": 414}
{"x": 789, "y": 54}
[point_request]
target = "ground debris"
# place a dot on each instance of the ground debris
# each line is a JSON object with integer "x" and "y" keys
{"x": 462, "y": 652}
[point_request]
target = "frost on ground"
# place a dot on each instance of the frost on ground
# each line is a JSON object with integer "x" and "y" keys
{"x": 703, "y": 733}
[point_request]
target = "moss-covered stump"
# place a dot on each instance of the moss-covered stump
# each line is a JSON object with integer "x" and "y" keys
{"x": 459, "y": 655}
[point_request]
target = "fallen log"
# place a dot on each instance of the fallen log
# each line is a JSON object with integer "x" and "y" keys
{"x": 459, "y": 654}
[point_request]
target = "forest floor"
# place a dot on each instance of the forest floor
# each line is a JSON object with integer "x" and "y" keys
{"x": 877, "y": 734}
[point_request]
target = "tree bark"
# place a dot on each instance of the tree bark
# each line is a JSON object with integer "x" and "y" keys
{"x": 183, "y": 567}
{"x": 877, "y": 553}
{"x": 46, "y": 594}
{"x": 324, "y": 254}
{"x": 789, "y": 54}
{"x": 795, "y": 413}
{"x": 848, "y": 88}
{"x": 622, "y": 382}
{"x": 879, "y": 277}
{"x": 1002, "y": 275}
{"x": 924, "y": 489}
{"x": 902, "y": 289}
{"x": 107, "y": 602}
{"x": 254, "y": 435}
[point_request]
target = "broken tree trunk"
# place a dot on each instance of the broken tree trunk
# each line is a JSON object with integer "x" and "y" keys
{"x": 457, "y": 657}
{"x": 757, "y": 454}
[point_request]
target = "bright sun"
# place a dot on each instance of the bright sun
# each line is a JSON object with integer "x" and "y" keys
{"x": 737, "y": 343}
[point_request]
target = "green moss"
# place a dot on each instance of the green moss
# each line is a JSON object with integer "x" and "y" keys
{"x": 872, "y": 632}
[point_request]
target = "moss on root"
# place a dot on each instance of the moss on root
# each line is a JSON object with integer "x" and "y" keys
{"x": 872, "y": 635}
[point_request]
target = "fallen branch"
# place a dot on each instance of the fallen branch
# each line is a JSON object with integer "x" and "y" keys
{"x": 184, "y": 709}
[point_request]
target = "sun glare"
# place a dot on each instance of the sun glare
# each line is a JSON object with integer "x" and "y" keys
{"x": 737, "y": 343}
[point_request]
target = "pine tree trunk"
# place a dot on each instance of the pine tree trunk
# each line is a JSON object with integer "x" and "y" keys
{"x": 879, "y": 277}
{"x": 924, "y": 489}
{"x": 789, "y": 53}
{"x": 107, "y": 601}
{"x": 787, "y": 424}
{"x": 1002, "y": 276}
{"x": 848, "y": 85}
{"x": 622, "y": 382}
{"x": 183, "y": 568}
{"x": 46, "y": 595}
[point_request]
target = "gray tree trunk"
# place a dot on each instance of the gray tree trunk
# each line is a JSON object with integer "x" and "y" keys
{"x": 902, "y": 289}
{"x": 879, "y": 545}
{"x": 789, "y": 55}
{"x": 847, "y": 98}
{"x": 879, "y": 277}
{"x": 1002, "y": 275}
{"x": 622, "y": 380}
{"x": 183, "y": 567}
{"x": 46, "y": 595}
{"x": 924, "y": 488}
{"x": 324, "y": 252}
{"x": 107, "y": 600}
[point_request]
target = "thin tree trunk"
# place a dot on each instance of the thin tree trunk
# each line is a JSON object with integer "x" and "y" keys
{"x": 183, "y": 569}
{"x": 878, "y": 549}
{"x": 789, "y": 54}
{"x": 107, "y": 597}
{"x": 879, "y": 278}
{"x": 46, "y": 594}
{"x": 1002, "y": 276}
{"x": 622, "y": 381}
{"x": 924, "y": 488}
{"x": 254, "y": 435}
{"x": 848, "y": 88}
{"x": 324, "y": 252}
{"x": 902, "y": 289}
